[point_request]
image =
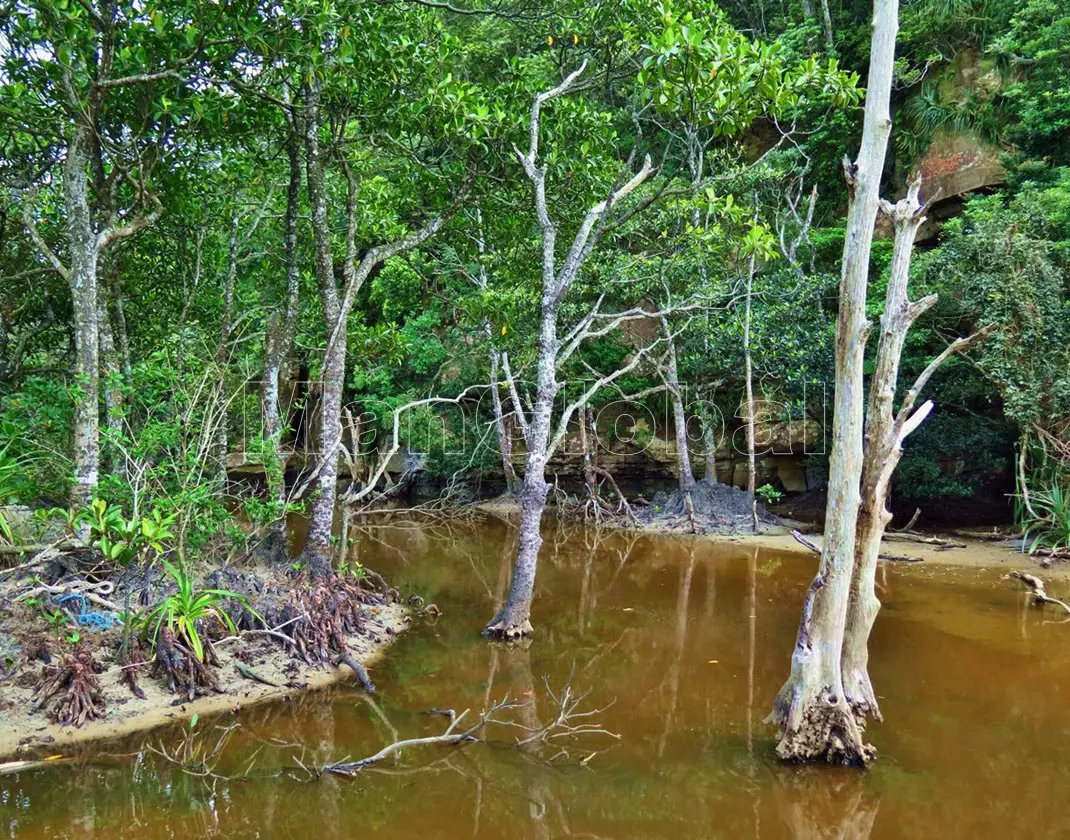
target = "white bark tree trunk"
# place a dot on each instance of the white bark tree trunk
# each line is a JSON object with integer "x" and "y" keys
{"x": 811, "y": 712}
{"x": 332, "y": 372}
{"x": 886, "y": 431}
{"x": 336, "y": 309}
{"x": 513, "y": 620}
{"x": 82, "y": 277}
{"x": 882, "y": 454}
{"x": 679, "y": 415}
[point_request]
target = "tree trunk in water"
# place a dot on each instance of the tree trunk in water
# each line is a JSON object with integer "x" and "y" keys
{"x": 883, "y": 449}
{"x": 513, "y": 620}
{"x": 85, "y": 303}
{"x": 318, "y": 541}
{"x": 814, "y": 718}
{"x": 279, "y": 341}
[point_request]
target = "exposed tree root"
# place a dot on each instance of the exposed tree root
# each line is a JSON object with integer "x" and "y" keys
{"x": 509, "y": 630}
{"x": 76, "y": 676}
{"x": 185, "y": 674}
{"x": 131, "y": 658}
{"x": 319, "y": 617}
{"x": 827, "y": 731}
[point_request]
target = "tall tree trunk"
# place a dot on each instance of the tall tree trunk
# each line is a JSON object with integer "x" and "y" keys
{"x": 709, "y": 443}
{"x": 748, "y": 364}
{"x": 513, "y": 620}
{"x": 110, "y": 369}
{"x": 679, "y": 415}
{"x": 814, "y": 719}
{"x": 886, "y": 431}
{"x": 826, "y": 26}
{"x": 882, "y": 454}
{"x": 83, "y": 252}
{"x": 332, "y": 375}
{"x": 222, "y": 351}
{"x": 336, "y": 310}
{"x": 122, "y": 335}
{"x": 505, "y": 443}
{"x": 280, "y": 330}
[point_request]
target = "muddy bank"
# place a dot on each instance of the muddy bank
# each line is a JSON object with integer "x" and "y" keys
{"x": 26, "y": 732}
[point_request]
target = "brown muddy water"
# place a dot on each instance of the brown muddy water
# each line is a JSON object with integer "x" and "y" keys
{"x": 686, "y": 642}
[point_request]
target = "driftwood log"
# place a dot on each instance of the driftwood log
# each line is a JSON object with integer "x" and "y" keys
{"x": 1040, "y": 595}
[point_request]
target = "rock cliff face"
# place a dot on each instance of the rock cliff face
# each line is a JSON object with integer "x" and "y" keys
{"x": 956, "y": 163}
{"x": 957, "y": 159}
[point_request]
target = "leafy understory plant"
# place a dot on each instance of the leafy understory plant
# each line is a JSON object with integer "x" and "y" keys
{"x": 1044, "y": 513}
{"x": 183, "y": 611}
{"x": 769, "y": 494}
{"x": 10, "y": 470}
{"x": 120, "y": 539}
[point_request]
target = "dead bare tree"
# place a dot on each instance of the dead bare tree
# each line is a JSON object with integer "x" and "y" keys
{"x": 537, "y": 424}
{"x": 814, "y": 719}
{"x": 822, "y": 709}
{"x": 886, "y": 431}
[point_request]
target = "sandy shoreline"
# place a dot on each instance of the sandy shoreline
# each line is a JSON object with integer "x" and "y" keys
{"x": 977, "y": 553}
{"x": 25, "y": 733}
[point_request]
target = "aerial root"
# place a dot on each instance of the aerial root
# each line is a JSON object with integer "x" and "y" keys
{"x": 321, "y": 616}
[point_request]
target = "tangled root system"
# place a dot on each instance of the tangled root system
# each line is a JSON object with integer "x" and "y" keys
{"x": 184, "y": 673}
{"x": 75, "y": 678}
{"x": 318, "y": 614}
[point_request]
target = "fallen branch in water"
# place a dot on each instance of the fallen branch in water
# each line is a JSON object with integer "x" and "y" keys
{"x": 1040, "y": 596}
{"x": 562, "y": 725}
{"x": 900, "y": 558}
{"x": 8, "y": 767}
{"x": 568, "y": 721}
{"x": 451, "y": 737}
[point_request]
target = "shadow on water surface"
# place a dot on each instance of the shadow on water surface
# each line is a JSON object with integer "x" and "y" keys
{"x": 685, "y": 643}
